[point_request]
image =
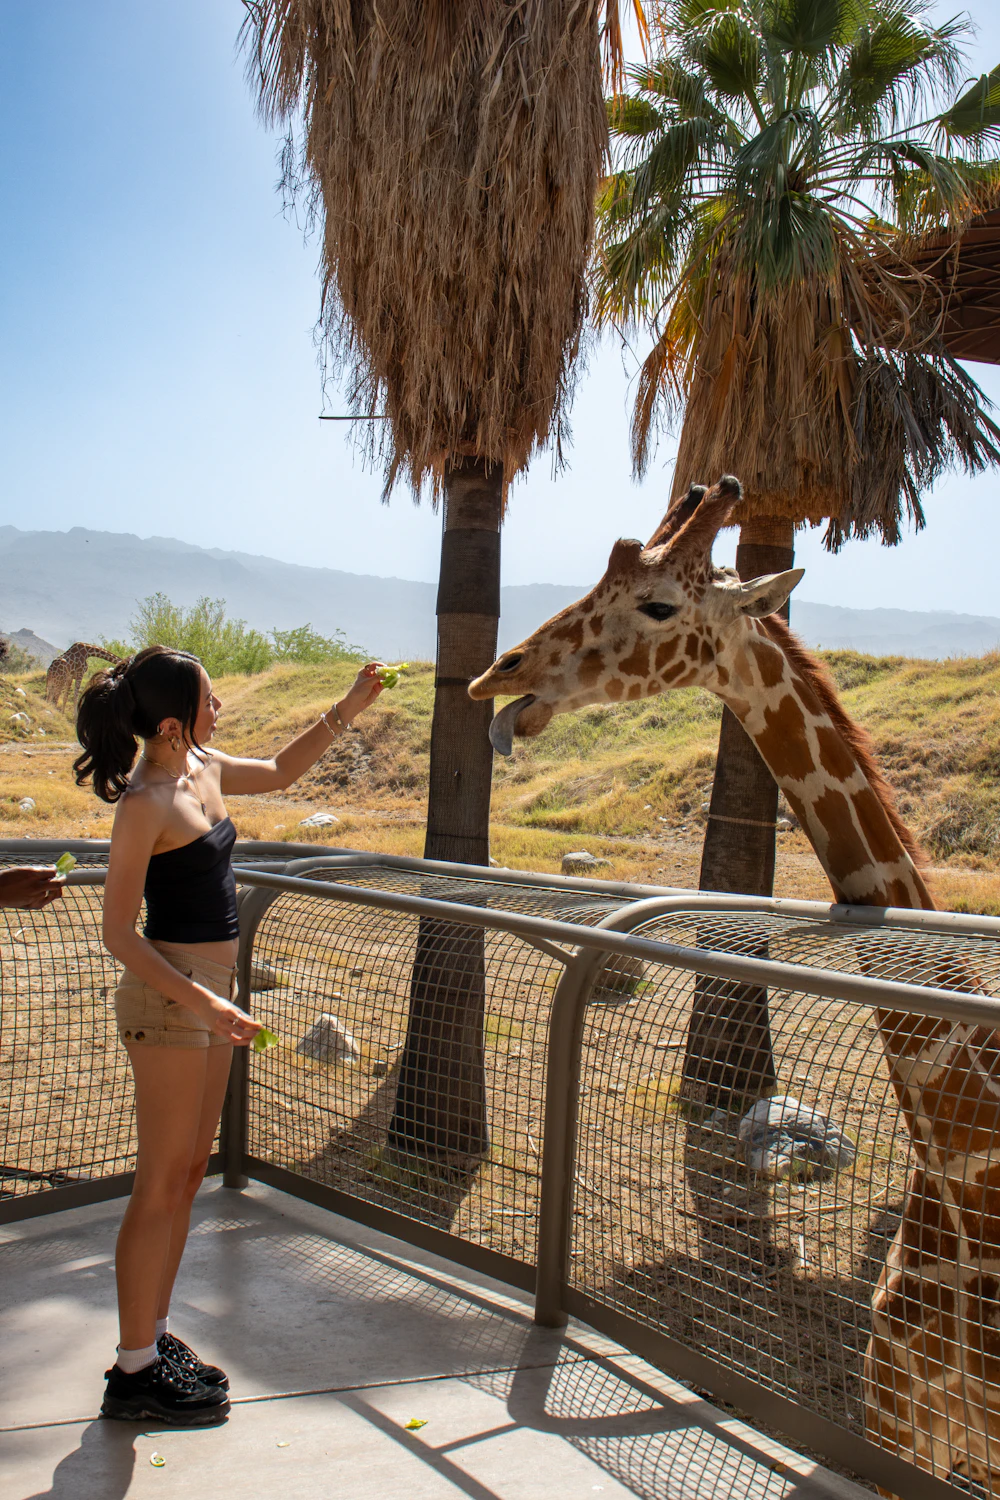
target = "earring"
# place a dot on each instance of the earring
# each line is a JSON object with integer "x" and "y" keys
{"x": 175, "y": 744}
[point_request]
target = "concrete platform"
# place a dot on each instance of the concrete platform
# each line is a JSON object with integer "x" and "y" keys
{"x": 334, "y": 1338}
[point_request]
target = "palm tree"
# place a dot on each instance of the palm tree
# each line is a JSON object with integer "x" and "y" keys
{"x": 779, "y": 164}
{"x": 451, "y": 154}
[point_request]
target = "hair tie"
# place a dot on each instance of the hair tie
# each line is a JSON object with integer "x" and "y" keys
{"x": 117, "y": 677}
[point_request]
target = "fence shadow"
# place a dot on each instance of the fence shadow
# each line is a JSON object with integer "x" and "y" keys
{"x": 357, "y": 1158}
{"x": 746, "y": 1302}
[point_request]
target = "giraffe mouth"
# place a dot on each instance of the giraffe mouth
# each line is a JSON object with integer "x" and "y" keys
{"x": 502, "y": 728}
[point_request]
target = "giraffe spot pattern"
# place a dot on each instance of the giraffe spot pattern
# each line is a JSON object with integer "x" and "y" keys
{"x": 614, "y": 688}
{"x": 846, "y": 850}
{"x": 664, "y": 653}
{"x": 783, "y": 742}
{"x": 834, "y": 756}
{"x": 572, "y": 632}
{"x": 636, "y": 664}
{"x": 882, "y": 839}
{"x": 590, "y": 668}
{"x": 770, "y": 662}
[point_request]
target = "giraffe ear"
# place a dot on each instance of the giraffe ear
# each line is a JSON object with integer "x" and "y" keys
{"x": 765, "y": 596}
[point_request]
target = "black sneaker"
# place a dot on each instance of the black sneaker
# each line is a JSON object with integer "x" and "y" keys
{"x": 164, "y": 1394}
{"x": 184, "y": 1358}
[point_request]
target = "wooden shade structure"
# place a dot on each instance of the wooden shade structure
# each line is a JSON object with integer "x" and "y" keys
{"x": 972, "y": 267}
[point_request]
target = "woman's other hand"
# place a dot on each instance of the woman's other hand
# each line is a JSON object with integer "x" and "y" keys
{"x": 225, "y": 1018}
{"x": 365, "y": 690}
{"x": 30, "y": 886}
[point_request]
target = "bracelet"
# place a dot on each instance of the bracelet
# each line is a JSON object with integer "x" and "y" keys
{"x": 324, "y": 719}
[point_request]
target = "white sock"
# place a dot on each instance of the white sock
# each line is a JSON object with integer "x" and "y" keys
{"x": 133, "y": 1360}
{"x": 162, "y": 1327}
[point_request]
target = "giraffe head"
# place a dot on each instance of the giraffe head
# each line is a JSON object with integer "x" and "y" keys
{"x": 663, "y": 616}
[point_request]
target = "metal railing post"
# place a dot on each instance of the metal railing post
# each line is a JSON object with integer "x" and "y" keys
{"x": 562, "y": 1109}
{"x": 235, "y": 1111}
{"x": 562, "y": 1103}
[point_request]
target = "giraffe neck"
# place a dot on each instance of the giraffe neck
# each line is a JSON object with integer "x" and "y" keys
{"x": 820, "y": 759}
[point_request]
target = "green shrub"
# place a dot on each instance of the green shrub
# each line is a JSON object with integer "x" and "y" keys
{"x": 227, "y": 647}
{"x": 303, "y": 644}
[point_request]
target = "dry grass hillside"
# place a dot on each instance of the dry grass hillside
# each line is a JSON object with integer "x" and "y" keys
{"x": 627, "y": 782}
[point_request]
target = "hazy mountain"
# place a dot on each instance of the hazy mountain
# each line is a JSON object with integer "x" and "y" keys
{"x": 81, "y": 585}
{"x": 28, "y": 641}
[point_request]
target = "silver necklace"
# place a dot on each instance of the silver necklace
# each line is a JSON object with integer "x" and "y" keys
{"x": 177, "y": 776}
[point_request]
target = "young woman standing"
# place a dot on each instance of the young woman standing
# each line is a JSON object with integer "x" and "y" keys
{"x": 172, "y": 843}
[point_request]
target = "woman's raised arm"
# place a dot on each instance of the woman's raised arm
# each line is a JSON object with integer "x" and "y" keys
{"x": 243, "y": 776}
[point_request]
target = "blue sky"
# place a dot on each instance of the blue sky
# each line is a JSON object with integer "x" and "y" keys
{"x": 159, "y": 374}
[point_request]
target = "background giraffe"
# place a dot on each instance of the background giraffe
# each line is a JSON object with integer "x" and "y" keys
{"x": 68, "y": 670}
{"x": 664, "y": 617}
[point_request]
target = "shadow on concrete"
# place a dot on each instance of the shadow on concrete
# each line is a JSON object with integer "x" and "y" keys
{"x": 359, "y": 1159}
{"x": 100, "y": 1469}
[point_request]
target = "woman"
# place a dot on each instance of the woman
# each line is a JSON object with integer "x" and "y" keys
{"x": 172, "y": 842}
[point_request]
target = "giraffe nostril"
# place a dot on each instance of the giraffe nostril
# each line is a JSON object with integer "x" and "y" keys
{"x": 510, "y": 663}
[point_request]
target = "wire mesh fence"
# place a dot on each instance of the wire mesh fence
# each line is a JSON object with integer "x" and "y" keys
{"x": 741, "y": 1167}
{"x": 65, "y": 1094}
{"x": 66, "y": 1109}
{"x": 414, "y": 1071}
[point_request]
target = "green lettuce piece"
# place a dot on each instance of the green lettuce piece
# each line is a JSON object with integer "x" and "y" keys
{"x": 65, "y": 863}
{"x": 389, "y": 676}
{"x": 265, "y": 1039}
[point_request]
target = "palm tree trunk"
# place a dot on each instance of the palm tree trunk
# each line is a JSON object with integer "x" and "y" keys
{"x": 440, "y": 1105}
{"x": 729, "y": 1052}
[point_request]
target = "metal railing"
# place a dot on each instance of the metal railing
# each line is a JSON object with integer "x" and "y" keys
{"x": 614, "y": 1182}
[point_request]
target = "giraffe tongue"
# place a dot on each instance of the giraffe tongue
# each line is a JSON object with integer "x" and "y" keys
{"x": 502, "y": 727}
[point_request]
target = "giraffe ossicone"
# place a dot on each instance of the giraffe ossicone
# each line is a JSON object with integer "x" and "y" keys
{"x": 664, "y": 617}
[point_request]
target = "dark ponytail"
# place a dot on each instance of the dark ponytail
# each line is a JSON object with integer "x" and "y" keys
{"x": 132, "y": 700}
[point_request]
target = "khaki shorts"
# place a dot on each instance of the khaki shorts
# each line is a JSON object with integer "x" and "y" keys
{"x": 149, "y": 1018}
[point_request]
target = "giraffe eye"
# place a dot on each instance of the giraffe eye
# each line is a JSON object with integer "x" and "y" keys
{"x": 657, "y": 611}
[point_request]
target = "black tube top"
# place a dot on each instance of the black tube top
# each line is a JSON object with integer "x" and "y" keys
{"x": 191, "y": 891}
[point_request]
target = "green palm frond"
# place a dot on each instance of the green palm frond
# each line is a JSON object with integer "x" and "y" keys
{"x": 889, "y": 67}
{"x": 806, "y": 27}
{"x": 629, "y": 115}
{"x": 976, "y": 115}
{"x": 681, "y": 93}
{"x": 728, "y": 51}
{"x": 663, "y": 174}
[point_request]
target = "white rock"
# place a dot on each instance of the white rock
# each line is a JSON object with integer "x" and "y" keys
{"x": 621, "y": 975}
{"x": 329, "y": 1041}
{"x": 20, "y": 692}
{"x": 782, "y": 1138}
{"x": 580, "y": 861}
{"x": 19, "y": 718}
{"x": 319, "y": 820}
{"x": 27, "y": 804}
{"x": 263, "y": 977}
